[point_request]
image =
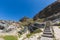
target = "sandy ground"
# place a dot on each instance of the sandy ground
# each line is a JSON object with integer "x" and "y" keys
{"x": 56, "y": 32}
{"x": 34, "y": 37}
{"x": 1, "y": 39}
{"x": 45, "y": 38}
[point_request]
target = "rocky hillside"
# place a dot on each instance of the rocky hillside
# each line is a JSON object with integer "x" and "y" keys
{"x": 48, "y": 11}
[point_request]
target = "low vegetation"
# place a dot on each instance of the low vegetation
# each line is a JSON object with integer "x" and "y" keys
{"x": 36, "y": 31}
{"x": 8, "y": 37}
{"x": 39, "y": 20}
{"x": 19, "y": 35}
{"x": 59, "y": 27}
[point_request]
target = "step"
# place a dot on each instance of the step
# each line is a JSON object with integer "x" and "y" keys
{"x": 48, "y": 33}
{"x": 50, "y": 36}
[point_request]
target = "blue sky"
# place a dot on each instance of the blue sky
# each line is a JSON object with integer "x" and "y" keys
{"x": 16, "y": 9}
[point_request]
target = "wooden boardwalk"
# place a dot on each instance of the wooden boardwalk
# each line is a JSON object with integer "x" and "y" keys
{"x": 48, "y": 33}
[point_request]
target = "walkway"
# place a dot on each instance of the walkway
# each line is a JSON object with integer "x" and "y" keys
{"x": 48, "y": 33}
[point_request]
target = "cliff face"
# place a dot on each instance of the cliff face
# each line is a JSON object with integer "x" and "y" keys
{"x": 48, "y": 11}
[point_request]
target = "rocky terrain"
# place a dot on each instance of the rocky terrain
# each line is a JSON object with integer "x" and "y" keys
{"x": 43, "y": 26}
